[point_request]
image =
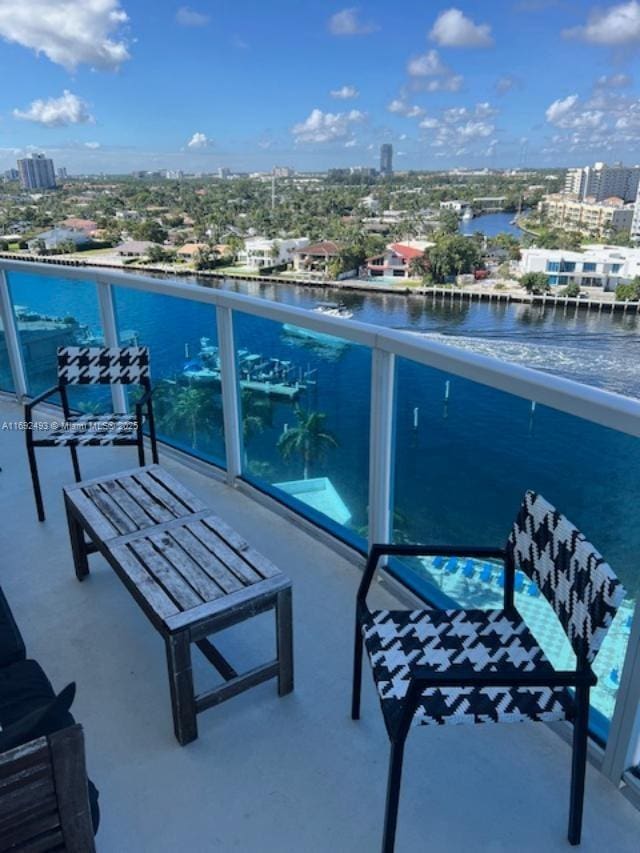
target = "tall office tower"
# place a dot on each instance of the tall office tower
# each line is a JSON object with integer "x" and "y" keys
{"x": 601, "y": 181}
{"x": 386, "y": 159}
{"x": 37, "y": 172}
{"x": 62, "y": 173}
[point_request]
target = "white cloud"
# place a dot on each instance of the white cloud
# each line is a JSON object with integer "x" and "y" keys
{"x": 404, "y": 109}
{"x": 506, "y": 83}
{"x": 444, "y": 84}
{"x": 560, "y": 108}
{"x": 453, "y": 29}
{"x": 68, "y": 32}
{"x": 57, "y": 112}
{"x": 427, "y": 65}
{"x": 92, "y": 145}
{"x": 187, "y": 17}
{"x": 198, "y": 140}
{"x": 344, "y": 93}
{"x": 351, "y": 143}
{"x": 429, "y": 123}
{"x": 462, "y": 127}
{"x": 613, "y": 81}
{"x": 614, "y": 26}
{"x": 326, "y": 127}
{"x": 348, "y": 23}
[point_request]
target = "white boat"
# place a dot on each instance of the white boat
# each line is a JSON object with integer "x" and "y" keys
{"x": 332, "y": 309}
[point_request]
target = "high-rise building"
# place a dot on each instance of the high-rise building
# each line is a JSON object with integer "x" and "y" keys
{"x": 635, "y": 223}
{"x": 386, "y": 159}
{"x": 61, "y": 173}
{"x": 601, "y": 181}
{"x": 37, "y": 172}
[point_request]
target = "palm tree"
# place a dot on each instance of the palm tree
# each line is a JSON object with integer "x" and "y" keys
{"x": 187, "y": 407}
{"x": 257, "y": 413}
{"x": 309, "y": 439}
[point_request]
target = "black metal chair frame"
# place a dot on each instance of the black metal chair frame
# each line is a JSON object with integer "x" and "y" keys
{"x": 423, "y": 677}
{"x": 145, "y": 401}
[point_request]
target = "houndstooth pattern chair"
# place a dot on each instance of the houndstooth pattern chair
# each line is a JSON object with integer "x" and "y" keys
{"x": 455, "y": 667}
{"x": 94, "y": 366}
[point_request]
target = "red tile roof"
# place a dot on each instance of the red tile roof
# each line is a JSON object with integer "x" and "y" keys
{"x": 407, "y": 252}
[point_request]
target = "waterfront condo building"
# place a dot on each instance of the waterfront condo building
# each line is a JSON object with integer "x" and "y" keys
{"x": 597, "y": 266}
{"x": 601, "y": 181}
{"x": 386, "y": 159}
{"x": 37, "y": 172}
{"x": 596, "y": 218}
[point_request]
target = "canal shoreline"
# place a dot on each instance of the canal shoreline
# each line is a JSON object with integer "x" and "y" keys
{"x": 452, "y": 293}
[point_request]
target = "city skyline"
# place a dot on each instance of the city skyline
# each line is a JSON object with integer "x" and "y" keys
{"x": 119, "y": 85}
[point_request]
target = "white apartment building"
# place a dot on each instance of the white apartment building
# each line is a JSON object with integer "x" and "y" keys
{"x": 601, "y": 181}
{"x": 597, "y": 218}
{"x": 37, "y": 172}
{"x": 597, "y": 266}
{"x": 635, "y": 222}
{"x": 265, "y": 252}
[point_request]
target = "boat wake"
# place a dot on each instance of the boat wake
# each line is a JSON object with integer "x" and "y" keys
{"x": 605, "y": 363}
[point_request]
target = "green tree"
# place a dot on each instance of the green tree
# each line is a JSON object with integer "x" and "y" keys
{"x": 453, "y": 255}
{"x": 187, "y": 408}
{"x": 420, "y": 267}
{"x": 573, "y": 290}
{"x": 535, "y": 282}
{"x": 309, "y": 439}
{"x": 629, "y": 292}
{"x": 151, "y": 230}
{"x": 449, "y": 221}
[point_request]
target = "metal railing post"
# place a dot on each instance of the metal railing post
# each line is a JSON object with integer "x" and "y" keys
{"x": 12, "y": 338}
{"x": 381, "y": 445}
{"x": 111, "y": 338}
{"x": 230, "y": 400}
{"x": 621, "y": 751}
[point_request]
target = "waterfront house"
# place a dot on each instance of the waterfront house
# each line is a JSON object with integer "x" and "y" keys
{"x": 189, "y": 251}
{"x": 261, "y": 252}
{"x": 396, "y": 259}
{"x": 55, "y": 236}
{"x": 316, "y": 257}
{"x": 597, "y": 266}
{"x": 88, "y": 226}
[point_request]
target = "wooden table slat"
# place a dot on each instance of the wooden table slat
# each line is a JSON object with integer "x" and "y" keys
{"x": 177, "y": 506}
{"x": 133, "y": 508}
{"x": 145, "y": 583}
{"x": 152, "y": 505}
{"x": 264, "y": 566}
{"x": 224, "y": 553}
{"x": 176, "y": 488}
{"x": 92, "y": 516}
{"x": 208, "y": 561}
{"x": 110, "y": 509}
{"x": 165, "y": 574}
{"x": 190, "y": 570}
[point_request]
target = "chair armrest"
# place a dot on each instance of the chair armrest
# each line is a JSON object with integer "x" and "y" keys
{"x": 39, "y": 399}
{"x": 424, "y": 676}
{"x": 145, "y": 399}
{"x": 383, "y": 549}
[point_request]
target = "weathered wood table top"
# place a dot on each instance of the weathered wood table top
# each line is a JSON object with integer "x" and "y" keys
{"x": 179, "y": 560}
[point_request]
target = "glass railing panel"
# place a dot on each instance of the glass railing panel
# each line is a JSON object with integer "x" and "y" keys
{"x": 183, "y": 347}
{"x": 305, "y": 420}
{"x": 6, "y": 377}
{"x": 52, "y": 312}
{"x": 465, "y": 455}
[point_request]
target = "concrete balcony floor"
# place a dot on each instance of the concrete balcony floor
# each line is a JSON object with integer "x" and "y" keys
{"x": 266, "y": 774}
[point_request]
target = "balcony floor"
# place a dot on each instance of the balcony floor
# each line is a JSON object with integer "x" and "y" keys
{"x": 266, "y": 774}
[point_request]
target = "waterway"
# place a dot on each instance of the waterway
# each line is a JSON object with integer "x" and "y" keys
{"x": 491, "y": 224}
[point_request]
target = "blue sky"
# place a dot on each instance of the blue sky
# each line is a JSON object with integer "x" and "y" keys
{"x": 116, "y": 85}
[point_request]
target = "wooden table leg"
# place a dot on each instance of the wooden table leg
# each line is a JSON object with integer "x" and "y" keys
{"x": 183, "y": 703}
{"x": 284, "y": 641}
{"x": 78, "y": 550}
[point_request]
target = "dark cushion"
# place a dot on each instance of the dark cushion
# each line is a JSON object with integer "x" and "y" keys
{"x": 11, "y": 642}
{"x": 23, "y": 688}
{"x": 41, "y": 721}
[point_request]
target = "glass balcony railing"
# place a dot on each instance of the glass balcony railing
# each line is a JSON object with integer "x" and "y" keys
{"x": 366, "y": 432}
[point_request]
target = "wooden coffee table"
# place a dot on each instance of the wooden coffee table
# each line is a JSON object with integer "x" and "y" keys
{"x": 191, "y": 574}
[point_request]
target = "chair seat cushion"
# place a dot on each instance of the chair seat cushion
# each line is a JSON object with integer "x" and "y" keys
{"x": 23, "y": 688}
{"x": 91, "y": 430}
{"x": 480, "y": 640}
{"x": 11, "y": 642}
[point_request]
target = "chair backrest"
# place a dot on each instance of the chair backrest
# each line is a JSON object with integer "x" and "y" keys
{"x": 576, "y": 581}
{"x": 103, "y": 365}
{"x": 44, "y": 803}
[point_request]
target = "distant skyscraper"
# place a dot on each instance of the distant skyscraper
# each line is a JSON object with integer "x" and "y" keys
{"x": 62, "y": 173}
{"x": 37, "y": 172}
{"x": 601, "y": 181}
{"x": 386, "y": 159}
